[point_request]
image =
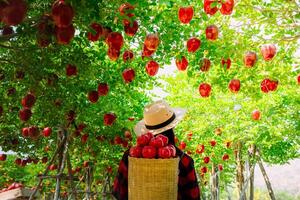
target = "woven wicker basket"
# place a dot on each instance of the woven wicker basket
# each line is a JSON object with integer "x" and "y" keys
{"x": 153, "y": 179}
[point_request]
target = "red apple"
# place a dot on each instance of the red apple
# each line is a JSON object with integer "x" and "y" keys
{"x": 25, "y": 114}
{"x": 149, "y": 152}
{"x": 44, "y": 160}
{"x": 208, "y": 7}
{"x": 220, "y": 167}
{"x": 7, "y": 30}
{"x": 71, "y": 70}
{"x": 52, "y": 167}
{"x": 143, "y": 140}
{"x": 206, "y": 159}
{"x": 268, "y": 51}
{"x": 200, "y": 149}
{"x": 28, "y": 101}
{"x": 152, "y": 68}
{"x": 193, "y": 44}
{"x": 118, "y": 140}
{"x": 113, "y": 53}
{"x": 234, "y": 85}
{"x": 115, "y": 40}
{"x": 273, "y": 85}
{"x": 204, "y": 89}
{"x": 23, "y": 163}
{"x": 62, "y": 13}
{"x": 98, "y": 29}
{"x": 12, "y": 12}
{"x": 93, "y": 96}
{"x": 204, "y": 170}
{"x": 256, "y": 115}
{"x": 84, "y": 138}
{"x": 250, "y": 59}
{"x": 298, "y": 79}
{"x": 131, "y": 28}
{"x": 225, "y": 157}
{"x": 33, "y": 132}
{"x": 212, "y": 32}
{"x": 205, "y": 65}
{"x": 147, "y": 52}
{"x": 173, "y": 150}
{"x": 128, "y": 56}
{"x": 182, "y": 145}
{"x": 213, "y": 143}
{"x": 71, "y": 115}
{"x": 47, "y": 131}
{"x": 164, "y": 152}
{"x": 227, "y": 7}
{"x": 109, "y": 119}
{"x": 64, "y": 35}
{"x": 185, "y": 14}
{"x": 135, "y": 151}
{"x": 126, "y": 9}
{"x": 165, "y": 139}
{"x": 182, "y": 63}
{"x": 103, "y": 89}
{"x": 18, "y": 161}
{"x": 151, "y": 42}
{"x": 268, "y": 85}
{"x": 3, "y": 157}
{"x": 128, "y": 75}
{"x": 25, "y": 132}
{"x": 226, "y": 63}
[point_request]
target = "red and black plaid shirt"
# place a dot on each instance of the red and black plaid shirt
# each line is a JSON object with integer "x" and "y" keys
{"x": 188, "y": 188}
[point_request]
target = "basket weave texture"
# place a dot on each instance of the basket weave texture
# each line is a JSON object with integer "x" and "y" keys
{"x": 152, "y": 179}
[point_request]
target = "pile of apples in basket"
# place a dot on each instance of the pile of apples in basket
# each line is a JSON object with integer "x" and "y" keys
{"x": 149, "y": 146}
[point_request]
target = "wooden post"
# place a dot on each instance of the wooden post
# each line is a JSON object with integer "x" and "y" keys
{"x": 266, "y": 178}
{"x": 62, "y": 161}
{"x": 89, "y": 177}
{"x": 73, "y": 194}
{"x": 59, "y": 148}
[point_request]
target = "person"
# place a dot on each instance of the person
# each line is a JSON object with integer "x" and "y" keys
{"x": 160, "y": 118}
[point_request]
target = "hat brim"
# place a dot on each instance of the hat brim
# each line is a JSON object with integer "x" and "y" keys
{"x": 140, "y": 127}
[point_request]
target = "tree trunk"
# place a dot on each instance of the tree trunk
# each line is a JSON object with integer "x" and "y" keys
{"x": 240, "y": 170}
{"x": 252, "y": 164}
{"x": 266, "y": 178}
{"x": 214, "y": 182}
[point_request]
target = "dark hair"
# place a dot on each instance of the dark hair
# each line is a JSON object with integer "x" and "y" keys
{"x": 170, "y": 134}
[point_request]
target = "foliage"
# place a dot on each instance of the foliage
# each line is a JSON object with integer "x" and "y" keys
{"x": 252, "y": 24}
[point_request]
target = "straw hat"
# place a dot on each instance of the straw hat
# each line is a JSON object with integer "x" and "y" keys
{"x": 159, "y": 117}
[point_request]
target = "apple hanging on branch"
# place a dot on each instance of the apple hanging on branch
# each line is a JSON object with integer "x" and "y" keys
{"x": 234, "y": 85}
{"x": 205, "y": 65}
{"x": 185, "y": 14}
{"x": 205, "y": 89}
{"x": 268, "y": 51}
{"x": 152, "y": 68}
{"x": 193, "y": 44}
{"x": 12, "y": 12}
{"x": 212, "y": 33}
{"x": 250, "y": 59}
{"x": 182, "y": 63}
